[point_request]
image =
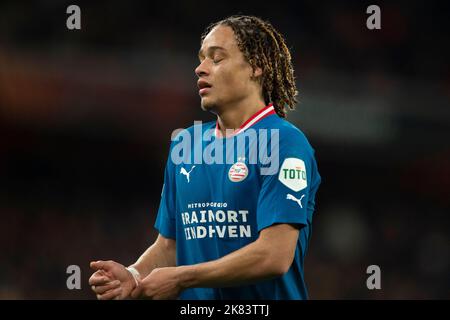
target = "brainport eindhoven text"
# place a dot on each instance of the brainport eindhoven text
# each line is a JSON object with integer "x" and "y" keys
{"x": 220, "y": 223}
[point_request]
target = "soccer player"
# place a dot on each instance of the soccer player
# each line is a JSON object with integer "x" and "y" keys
{"x": 235, "y": 228}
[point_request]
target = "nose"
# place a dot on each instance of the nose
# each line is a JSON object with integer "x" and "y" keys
{"x": 201, "y": 69}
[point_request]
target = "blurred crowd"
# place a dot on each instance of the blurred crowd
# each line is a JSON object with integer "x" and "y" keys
{"x": 86, "y": 118}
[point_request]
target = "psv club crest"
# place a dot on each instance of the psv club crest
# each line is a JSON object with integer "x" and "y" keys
{"x": 238, "y": 172}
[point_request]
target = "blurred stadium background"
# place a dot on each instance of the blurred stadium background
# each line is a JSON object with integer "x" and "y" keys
{"x": 86, "y": 118}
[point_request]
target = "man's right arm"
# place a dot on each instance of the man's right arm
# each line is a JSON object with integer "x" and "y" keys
{"x": 112, "y": 280}
{"x": 162, "y": 253}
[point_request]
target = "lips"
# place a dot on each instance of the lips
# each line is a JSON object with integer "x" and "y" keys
{"x": 203, "y": 86}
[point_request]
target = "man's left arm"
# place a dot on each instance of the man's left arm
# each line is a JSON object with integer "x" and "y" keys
{"x": 271, "y": 255}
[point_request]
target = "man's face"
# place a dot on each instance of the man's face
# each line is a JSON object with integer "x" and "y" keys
{"x": 224, "y": 75}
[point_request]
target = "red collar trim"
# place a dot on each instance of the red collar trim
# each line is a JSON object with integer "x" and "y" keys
{"x": 258, "y": 116}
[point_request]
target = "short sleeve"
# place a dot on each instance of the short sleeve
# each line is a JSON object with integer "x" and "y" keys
{"x": 165, "y": 220}
{"x": 288, "y": 195}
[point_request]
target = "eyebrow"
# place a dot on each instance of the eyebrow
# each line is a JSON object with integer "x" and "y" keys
{"x": 211, "y": 49}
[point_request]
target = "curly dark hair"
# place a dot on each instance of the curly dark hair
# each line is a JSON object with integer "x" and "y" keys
{"x": 264, "y": 47}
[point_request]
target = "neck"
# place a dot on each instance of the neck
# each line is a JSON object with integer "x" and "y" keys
{"x": 235, "y": 115}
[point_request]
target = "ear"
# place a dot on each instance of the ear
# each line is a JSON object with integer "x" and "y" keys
{"x": 257, "y": 72}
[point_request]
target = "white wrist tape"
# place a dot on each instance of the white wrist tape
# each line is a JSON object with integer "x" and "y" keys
{"x": 136, "y": 275}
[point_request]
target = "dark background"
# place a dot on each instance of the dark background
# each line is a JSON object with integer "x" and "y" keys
{"x": 86, "y": 118}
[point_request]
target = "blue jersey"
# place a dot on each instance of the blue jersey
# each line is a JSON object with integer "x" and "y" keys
{"x": 212, "y": 208}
